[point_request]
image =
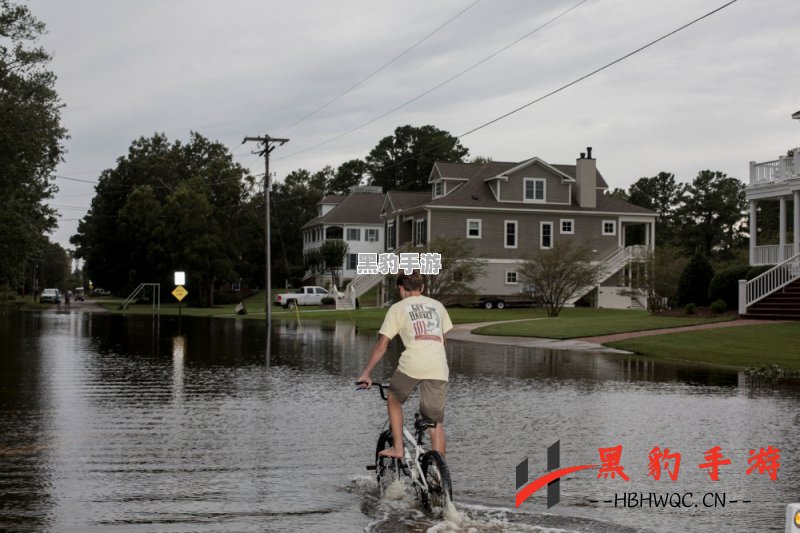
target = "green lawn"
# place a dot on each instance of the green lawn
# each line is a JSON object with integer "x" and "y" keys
{"x": 580, "y": 322}
{"x": 741, "y": 346}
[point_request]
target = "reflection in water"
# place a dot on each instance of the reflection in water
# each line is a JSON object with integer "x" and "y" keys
{"x": 122, "y": 423}
{"x": 178, "y": 356}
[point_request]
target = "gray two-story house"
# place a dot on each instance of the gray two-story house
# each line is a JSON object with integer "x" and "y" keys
{"x": 509, "y": 209}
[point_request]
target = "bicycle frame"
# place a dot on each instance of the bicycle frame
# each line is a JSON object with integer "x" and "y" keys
{"x": 417, "y": 476}
{"x": 411, "y": 441}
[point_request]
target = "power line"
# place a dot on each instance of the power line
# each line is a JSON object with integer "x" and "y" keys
{"x": 357, "y": 84}
{"x": 598, "y": 70}
{"x": 565, "y": 86}
{"x": 439, "y": 85}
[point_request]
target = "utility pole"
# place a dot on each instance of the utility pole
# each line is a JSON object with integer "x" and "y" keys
{"x": 268, "y": 144}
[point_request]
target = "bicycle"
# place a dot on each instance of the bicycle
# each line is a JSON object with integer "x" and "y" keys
{"x": 430, "y": 477}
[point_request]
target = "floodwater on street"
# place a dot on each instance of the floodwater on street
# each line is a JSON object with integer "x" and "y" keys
{"x": 125, "y": 423}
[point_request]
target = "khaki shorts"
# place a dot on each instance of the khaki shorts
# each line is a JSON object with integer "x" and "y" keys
{"x": 431, "y": 394}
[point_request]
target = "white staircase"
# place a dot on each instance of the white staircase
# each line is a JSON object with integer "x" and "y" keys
{"x": 612, "y": 264}
{"x": 360, "y": 284}
{"x": 759, "y": 288}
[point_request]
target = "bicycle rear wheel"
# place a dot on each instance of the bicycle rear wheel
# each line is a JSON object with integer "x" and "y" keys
{"x": 437, "y": 477}
{"x": 387, "y": 469}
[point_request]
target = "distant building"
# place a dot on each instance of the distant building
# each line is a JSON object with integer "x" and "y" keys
{"x": 354, "y": 218}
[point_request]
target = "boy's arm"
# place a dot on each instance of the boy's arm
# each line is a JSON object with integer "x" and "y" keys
{"x": 374, "y": 359}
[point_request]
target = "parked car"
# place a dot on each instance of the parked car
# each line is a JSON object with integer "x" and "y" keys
{"x": 52, "y": 296}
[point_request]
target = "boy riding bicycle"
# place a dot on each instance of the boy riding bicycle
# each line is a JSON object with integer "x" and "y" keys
{"x": 421, "y": 323}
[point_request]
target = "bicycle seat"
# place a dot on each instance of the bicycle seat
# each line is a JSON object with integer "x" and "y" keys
{"x": 424, "y": 423}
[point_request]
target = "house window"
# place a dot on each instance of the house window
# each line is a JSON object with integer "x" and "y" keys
{"x": 422, "y": 232}
{"x": 438, "y": 189}
{"x": 534, "y": 189}
{"x": 546, "y": 235}
{"x": 511, "y": 277}
{"x": 473, "y": 228}
{"x": 567, "y": 226}
{"x": 609, "y": 227}
{"x": 390, "y": 236}
{"x": 352, "y": 261}
{"x": 511, "y": 234}
{"x": 371, "y": 235}
{"x": 353, "y": 234}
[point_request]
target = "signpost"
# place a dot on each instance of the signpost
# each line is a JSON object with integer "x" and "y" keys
{"x": 180, "y": 292}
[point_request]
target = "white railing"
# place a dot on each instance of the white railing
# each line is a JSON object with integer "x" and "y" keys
{"x": 360, "y": 284}
{"x": 782, "y": 169}
{"x": 770, "y": 281}
{"x": 768, "y": 255}
{"x": 766, "y": 172}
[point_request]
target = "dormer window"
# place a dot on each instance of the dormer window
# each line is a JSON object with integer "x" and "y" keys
{"x": 438, "y": 189}
{"x": 534, "y": 189}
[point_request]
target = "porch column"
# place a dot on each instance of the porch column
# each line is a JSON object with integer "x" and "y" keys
{"x": 753, "y": 231}
{"x": 796, "y": 226}
{"x": 782, "y": 230}
{"x": 653, "y": 235}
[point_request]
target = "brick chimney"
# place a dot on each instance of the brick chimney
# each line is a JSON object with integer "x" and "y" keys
{"x": 586, "y": 177}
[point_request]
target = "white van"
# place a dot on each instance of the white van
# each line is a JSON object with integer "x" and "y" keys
{"x": 52, "y": 296}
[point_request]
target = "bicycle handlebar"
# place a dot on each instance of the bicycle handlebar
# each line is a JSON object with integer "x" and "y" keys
{"x": 379, "y": 385}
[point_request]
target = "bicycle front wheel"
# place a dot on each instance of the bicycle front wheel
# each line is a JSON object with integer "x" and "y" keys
{"x": 437, "y": 477}
{"x": 387, "y": 469}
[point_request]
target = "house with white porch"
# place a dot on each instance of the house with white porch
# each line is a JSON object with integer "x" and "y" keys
{"x": 508, "y": 209}
{"x": 354, "y": 218}
{"x": 775, "y": 293}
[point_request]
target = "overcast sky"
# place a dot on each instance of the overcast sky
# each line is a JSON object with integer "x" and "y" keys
{"x": 715, "y": 95}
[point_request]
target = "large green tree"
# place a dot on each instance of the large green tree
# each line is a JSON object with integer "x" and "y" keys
{"x": 166, "y": 206}
{"x": 662, "y": 194}
{"x": 31, "y": 139}
{"x": 712, "y": 215}
{"x": 403, "y": 161}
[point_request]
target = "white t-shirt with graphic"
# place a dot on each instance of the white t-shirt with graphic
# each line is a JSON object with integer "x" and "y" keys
{"x": 421, "y": 323}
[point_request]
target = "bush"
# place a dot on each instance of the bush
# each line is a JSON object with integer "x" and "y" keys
{"x": 718, "y": 307}
{"x": 690, "y": 309}
{"x": 725, "y": 285}
{"x": 328, "y": 301}
{"x": 694, "y": 281}
{"x": 757, "y": 271}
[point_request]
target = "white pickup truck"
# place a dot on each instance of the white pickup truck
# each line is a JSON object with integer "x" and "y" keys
{"x": 309, "y": 295}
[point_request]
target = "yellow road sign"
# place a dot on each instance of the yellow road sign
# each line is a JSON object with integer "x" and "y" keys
{"x": 180, "y": 293}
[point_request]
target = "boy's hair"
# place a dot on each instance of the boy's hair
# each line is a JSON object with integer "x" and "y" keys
{"x": 410, "y": 282}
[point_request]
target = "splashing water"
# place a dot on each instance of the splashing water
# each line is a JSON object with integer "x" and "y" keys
{"x": 395, "y": 491}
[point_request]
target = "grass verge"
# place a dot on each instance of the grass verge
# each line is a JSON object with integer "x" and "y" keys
{"x": 743, "y": 346}
{"x": 577, "y": 322}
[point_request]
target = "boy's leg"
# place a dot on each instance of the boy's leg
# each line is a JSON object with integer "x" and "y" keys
{"x": 437, "y": 438}
{"x": 432, "y": 394}
{"x": 395, "y": 409}
{"x": 400, "y": 386}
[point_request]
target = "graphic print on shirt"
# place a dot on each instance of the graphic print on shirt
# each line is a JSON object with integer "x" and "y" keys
{"x": 425, "y": 321}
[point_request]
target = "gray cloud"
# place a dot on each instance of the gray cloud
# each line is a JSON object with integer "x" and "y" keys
{"x": 714, "y": 96}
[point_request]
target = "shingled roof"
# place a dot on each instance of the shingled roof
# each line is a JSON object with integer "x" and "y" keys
{"x": 355, "y": 208}
{"x": 496, "y": 168}
{"x": 475, "y": 192}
